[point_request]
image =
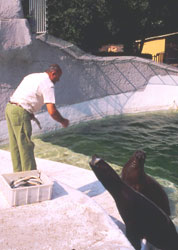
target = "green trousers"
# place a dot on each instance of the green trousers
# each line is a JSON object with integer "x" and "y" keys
{"x": 20, "y": 131}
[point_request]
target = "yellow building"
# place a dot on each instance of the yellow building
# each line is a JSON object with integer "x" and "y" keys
{"x": 162, "y": 48}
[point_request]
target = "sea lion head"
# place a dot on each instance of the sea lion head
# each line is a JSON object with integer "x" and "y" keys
{"x": 137, "y": 160}
{"x": 97, "y": 164}
{"x": 95, "y": 159}
{"x": 103, "y": 171}
{"x": 133, "y": 170}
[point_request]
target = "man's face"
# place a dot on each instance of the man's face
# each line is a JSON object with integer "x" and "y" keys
{"x": 55, "y": 76}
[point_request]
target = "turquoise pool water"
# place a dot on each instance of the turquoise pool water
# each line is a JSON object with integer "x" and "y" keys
{"x": 116, "y": 138}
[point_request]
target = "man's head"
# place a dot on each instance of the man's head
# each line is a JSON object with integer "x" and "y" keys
{"x": 54, "y": 72}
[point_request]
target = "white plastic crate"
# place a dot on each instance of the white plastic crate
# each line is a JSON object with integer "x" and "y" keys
{"x": 25, "y": 195}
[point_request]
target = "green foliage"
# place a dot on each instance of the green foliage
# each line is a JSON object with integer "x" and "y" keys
{"x": 80, "y": 22}
{"x": 92, "y": 23}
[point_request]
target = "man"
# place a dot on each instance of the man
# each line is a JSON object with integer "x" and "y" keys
{"x": 33, "y": 92}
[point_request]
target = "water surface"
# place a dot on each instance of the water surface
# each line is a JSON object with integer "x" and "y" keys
{"x": 116, "y": 138}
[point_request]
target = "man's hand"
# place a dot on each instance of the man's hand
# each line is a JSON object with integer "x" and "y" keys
{"x": 54, "y": 113}
{"x": 65, "y": 123}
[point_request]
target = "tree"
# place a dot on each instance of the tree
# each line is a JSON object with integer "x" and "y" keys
{"x": 81, "y": 22}
{"x": 171, "y": 16}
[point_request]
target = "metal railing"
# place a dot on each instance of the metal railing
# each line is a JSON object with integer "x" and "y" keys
{"x": 37, "y": 13}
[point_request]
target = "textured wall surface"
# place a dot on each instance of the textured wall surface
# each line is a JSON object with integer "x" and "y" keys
{"x": 14, "y": 29}
{"x": 10, "y": 9}
{"x": 14, "y": 34}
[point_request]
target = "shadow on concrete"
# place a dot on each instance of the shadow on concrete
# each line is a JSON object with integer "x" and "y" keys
{"x": 119, "y": 223}
{"x": 92, "y": 189}
{"x": 58, "y": 190}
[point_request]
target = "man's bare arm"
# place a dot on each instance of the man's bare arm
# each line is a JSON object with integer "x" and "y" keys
{"x": 54, "y": 113}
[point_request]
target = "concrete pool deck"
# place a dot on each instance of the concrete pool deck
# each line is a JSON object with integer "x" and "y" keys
{"x": 81, "y": 214}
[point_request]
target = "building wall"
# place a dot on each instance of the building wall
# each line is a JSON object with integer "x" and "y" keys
{"x": 154, "y": 47}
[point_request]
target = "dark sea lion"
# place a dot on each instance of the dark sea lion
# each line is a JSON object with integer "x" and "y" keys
{"x": 142, "y": 217}
{"x": 133, "y": 174}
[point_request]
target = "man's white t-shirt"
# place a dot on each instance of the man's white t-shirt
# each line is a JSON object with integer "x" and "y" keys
{"x": 34, "y": 91}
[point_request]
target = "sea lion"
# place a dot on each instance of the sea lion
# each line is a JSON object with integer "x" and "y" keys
{"x": 142, "y": 217}
{"x": 133, "y": 174}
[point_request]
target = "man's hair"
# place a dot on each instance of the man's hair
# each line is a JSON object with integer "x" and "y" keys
{"x": 54, "y": 67}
